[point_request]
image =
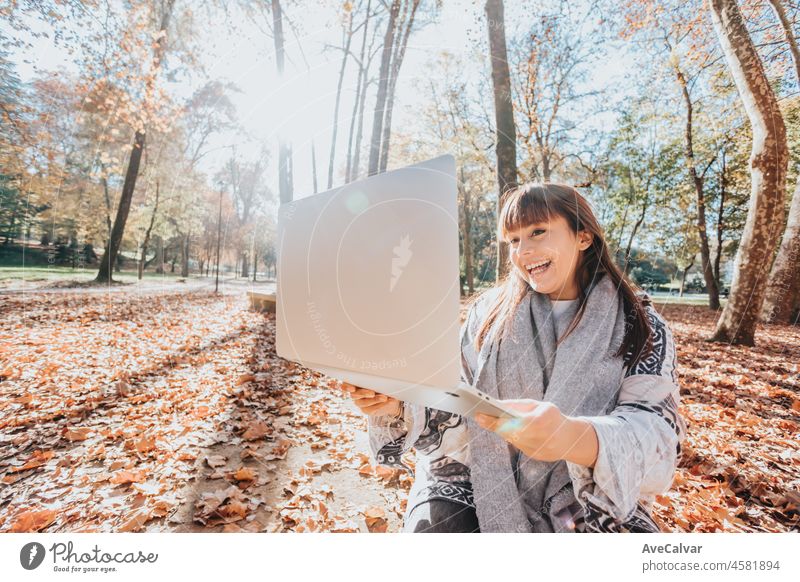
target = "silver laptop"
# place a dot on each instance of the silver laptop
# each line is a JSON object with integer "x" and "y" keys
{"x": 368, "y": 287}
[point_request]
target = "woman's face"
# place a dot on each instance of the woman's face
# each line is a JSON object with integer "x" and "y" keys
{"x": 546, "y": 255}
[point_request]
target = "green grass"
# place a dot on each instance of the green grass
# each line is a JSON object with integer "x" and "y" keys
{"x": 66, "y": 273}
{"x": 687, "y": 299}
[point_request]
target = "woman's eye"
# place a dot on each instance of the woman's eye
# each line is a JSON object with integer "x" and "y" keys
{"x": 535, "y": 232}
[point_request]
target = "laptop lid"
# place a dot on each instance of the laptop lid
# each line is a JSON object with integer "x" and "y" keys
{"x": 368, "y": 276}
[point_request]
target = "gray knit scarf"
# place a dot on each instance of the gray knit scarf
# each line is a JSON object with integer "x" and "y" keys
{"x": 582, "y": 377}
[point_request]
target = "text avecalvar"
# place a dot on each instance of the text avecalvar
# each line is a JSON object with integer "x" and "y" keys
{"x": 671, "y": 549}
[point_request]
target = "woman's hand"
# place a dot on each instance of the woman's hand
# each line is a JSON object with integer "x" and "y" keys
{"x": 371, "y": 402}
{"x": 543, "y": 433}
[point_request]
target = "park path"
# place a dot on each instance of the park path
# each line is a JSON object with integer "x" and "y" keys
{"x": 158, "y": 411}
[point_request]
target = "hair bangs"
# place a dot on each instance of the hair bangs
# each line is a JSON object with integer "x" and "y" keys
{"x": 526, "y": 206}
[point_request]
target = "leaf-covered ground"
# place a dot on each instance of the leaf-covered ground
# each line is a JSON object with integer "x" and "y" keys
{"x": 740, "y": 469}
{"x": 171, "y": 412}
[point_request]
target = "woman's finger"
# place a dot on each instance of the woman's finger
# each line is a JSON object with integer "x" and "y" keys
{"x": 486, "y": 421}
{"x": 360, "y": 393}
{"x": 364, "y": 393}
{"x": 522, "y": 404}
{"x": 376, "y": 408}
{"x": 368, "y": 402}
{"x": 373, "y": 407}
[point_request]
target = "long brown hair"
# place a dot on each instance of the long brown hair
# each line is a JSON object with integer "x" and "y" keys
{"x": 536, "y": 202}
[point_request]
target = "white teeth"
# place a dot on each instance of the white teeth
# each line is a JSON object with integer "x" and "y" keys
{"x": 535, "y": 265}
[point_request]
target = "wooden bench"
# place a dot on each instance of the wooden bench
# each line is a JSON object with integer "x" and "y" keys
{"x": 262, "y": 301}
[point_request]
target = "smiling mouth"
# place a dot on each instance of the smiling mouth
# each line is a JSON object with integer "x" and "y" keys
{"x": 538, "y": 268}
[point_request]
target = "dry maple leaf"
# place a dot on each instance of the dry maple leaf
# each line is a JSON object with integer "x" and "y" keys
{"x": 278, "y": 451}
{"x": 375, "y": 518}
{"x": 77, "y": 434}
{"x": 257, "y": 430}
{"x": 234, "y": 509}
{"x": 29, "y": 521}
{"x": 387, "y": 474}
{"x": 125, "y": 476}
{"x": 245, "y": 474}
{"x": 38, "y": 459}
{"x": 245, "y": 378}
{"x": 216, "y": 461}
{"x": 136, "y": 519}
{"x": 145, "y": 444}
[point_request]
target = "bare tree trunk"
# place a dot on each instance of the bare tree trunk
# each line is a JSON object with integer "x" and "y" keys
{"x": 397, "y": 61}
{"x": 285, "y": 185}
{"x": 362, "y": 73}
{"x": 115, "y": 240}
{"x": 314, "y": 165}
{"x": 108, "y": 204}
{"x": 506, "y": 138}
{"x": 380, "y": 99}
{"x": 683, "y": 277}
{"x": 468, "y": 267}
{"x": 147, "y": 234}
{"x": 346, "y": 53}
{"x": 768, "y": 167}
{"x": 636, "y": 226}
{"x": 698, "y": 180}
{"x": 254, "y": 252}
{"x": 720, "y": 222}
{"x": 545, "y": 165}
{"x": 185, "y": 256}
{"x": 355, "y": 168}
{"x": 783, "y": 278}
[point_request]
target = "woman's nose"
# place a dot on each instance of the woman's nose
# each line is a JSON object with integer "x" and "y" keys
{"x": 526, "y": 249}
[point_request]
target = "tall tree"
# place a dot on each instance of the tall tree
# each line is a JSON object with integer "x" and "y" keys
{"x": 782, "y": 284}
{"x": 348, "y": 32}
{"x": 677, "y": 31}
{"x": 405, "y": 25}
{"x": 285, "y": 180}
{"x": 505, "y": 141}
{"x": 698, "y": 180}
{"x": 383, "y": 82}
{"x": 115, "y": 239}
{"x": 364, "y": 61}
{"x": 768, "y": 163}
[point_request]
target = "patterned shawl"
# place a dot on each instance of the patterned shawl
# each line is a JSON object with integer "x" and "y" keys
{"x": 582, "y": 378}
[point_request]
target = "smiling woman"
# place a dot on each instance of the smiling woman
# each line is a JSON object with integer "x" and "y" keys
{"x": 565, "y": 339}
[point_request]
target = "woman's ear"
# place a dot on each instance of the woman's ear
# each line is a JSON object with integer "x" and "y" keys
{"x": 584, "y": 239}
